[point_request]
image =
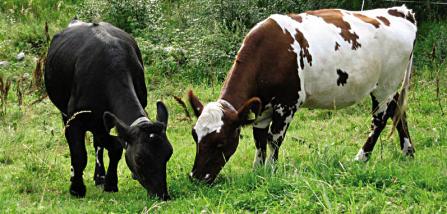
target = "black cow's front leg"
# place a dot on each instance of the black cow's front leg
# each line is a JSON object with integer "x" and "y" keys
{"x": 100, "y": 173}
{"x": 76, "y": 140}
{"x": 115, "y": 151}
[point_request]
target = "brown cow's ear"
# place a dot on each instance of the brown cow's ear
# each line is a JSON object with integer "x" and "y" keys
{"x": 196, "y": 105}
{"x": 254, "y": 104}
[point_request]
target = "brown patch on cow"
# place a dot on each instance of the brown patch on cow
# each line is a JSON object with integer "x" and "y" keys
{"x": 304, "y": 52}
{"x": 384, "y": 20}
{"x": 368, "y": 19}
{"x": 337, "y": 46}
{"x": 396, "y": 13}
{"x": 409, "y": 16}
{"x": 335, "y": 17}
{"x": 296, "y": 17}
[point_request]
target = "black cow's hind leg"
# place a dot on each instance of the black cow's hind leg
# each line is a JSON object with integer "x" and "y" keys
{"x": 115, "y": 151}
{"x": 76, "y": 141}
{"x": 100, "y": 173}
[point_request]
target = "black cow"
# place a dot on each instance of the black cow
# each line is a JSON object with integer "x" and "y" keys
{"x": 94, "y": 75}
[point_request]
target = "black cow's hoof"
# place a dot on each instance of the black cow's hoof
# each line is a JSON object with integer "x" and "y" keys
{"x": 100, "y": 180}
{"x": 110, "y": 188}
{"x": 77, "y": 190}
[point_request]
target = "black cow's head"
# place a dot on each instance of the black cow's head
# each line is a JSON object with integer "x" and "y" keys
{"x": 147, "y": 150}
{"x": 216, "y": 134}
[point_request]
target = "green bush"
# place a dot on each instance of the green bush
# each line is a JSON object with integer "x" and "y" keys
{"x": 129, "y": 15}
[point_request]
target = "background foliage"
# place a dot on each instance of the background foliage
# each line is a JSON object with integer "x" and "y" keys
{"x": 191, "y": 44}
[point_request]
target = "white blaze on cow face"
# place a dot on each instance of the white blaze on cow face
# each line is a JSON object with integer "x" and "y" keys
{"x": 210, "y": 120}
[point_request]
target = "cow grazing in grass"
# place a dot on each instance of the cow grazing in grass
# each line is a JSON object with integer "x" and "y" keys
{"x": 94, "y": 75}
{"x": 324, "y": 59}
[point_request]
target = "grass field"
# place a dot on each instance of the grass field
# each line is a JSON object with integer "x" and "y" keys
{"x": 315, "y": 172}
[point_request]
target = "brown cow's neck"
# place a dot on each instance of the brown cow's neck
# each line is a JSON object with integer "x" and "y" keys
{"x": 239, "y": 85}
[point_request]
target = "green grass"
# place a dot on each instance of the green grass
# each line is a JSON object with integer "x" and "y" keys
{"x": 315, "y": 172}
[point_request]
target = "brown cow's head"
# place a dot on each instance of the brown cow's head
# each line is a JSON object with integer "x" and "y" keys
{"x": 216, "y": 134}
{"x": 147, "y": 150}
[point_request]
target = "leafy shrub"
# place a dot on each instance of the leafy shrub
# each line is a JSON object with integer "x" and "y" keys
{"x": 129, "y": 15}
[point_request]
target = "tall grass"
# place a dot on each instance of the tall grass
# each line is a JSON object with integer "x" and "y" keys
{"x": 190, "y": 45}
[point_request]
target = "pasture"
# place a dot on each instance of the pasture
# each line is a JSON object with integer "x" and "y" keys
{"x": 315, "y": 171}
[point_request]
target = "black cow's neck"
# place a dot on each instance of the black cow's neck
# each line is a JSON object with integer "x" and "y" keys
{"x": 126, "y": 106}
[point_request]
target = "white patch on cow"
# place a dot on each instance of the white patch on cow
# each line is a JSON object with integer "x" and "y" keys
{"x": 280, "y": 110}
{"x": 407, "y": 146}
{"x": 264, "y": 118}
{"x": 72, "y": 172}
{"x": 258, "y": 158}
{"x": 97, "y": 156}
{"x": 361, "y": 156}
{"x": 270, "y": 159}
{"x": 210, "y": 120}
{"x": 377, "y": 66}
{"x": 284, "y": 128}
{"x": 207, "y": 176}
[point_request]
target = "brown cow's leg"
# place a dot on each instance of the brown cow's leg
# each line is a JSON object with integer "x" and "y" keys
{"x": 378, "y": 124}
{"x": 281, "y": 118}
{"x": 404, "y": 136}
{"x": 76, "y": 140}
{"x": 260, "y": 136}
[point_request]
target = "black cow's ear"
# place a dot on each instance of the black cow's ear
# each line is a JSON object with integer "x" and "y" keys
{"x": 110, "y": 121}
{"x": 254, "y": 104}
{"x": 196, "y": 105}
{"x": 162, "y": 113}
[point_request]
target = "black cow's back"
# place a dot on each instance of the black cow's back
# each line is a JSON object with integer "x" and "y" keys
{"x": 88, "y": 64}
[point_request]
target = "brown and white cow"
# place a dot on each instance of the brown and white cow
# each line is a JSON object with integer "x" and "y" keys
{"x": 324, "y": 59}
